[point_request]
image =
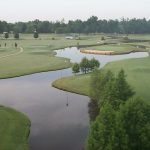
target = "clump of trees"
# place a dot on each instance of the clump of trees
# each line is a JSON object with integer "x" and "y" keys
{"x": 105, "y": 87}
{"x": 85, "y": 65}
{"x": 123, "y": 121}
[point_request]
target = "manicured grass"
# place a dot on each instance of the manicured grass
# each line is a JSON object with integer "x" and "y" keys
{"x": 115, "y": 47}
{"x": 139, "y": 36}
{"x": 77, "y": 84}
{"x": 137, "y": 71}
{"x": 30, "y": 63}
{"x": 14, "y": 130}
{"x": 5, "y": 51}
{"x": 38, "y": 54}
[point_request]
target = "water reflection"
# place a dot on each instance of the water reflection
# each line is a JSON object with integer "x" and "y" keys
{"x": 54, "y": 125}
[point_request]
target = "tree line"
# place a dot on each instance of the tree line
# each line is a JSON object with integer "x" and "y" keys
{"x": 123, "y": 120}
{"x": 91, "y": 25}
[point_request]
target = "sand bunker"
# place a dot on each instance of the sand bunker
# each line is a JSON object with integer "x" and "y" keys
{"x": 97, "y": 52}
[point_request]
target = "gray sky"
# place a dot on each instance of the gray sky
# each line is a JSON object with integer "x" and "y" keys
{"x": 25, "y": 10}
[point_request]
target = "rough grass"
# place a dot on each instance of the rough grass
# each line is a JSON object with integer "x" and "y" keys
{"x": 14, "y": 130}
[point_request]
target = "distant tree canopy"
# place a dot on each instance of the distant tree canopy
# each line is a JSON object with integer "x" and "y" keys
{"x": 91, "y": 25}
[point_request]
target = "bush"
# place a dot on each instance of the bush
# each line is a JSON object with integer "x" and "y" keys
{"x": 16, "y": 35}
{"x": 76, "y": 68}
{"x": 35, "y": 35}
{"x": 102, "y": 38}
{"x": 6, "y": 35}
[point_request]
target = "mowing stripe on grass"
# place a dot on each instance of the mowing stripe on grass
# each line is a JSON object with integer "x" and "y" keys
{"x": 14, "y": 54}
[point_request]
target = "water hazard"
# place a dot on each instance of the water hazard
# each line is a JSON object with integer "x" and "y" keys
{"x": 59, "y": 119}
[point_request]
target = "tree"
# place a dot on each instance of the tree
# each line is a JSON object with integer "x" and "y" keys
{"x": 94, "y": 64}
{"x": 76, "y": 68}
{"x": 122, "y": 88}
{"x": 84, "y": 65}
{"x": 6, "y": 35}
{"x": 99, "y": 80}
{"x": 134, "y": 120}
{"x": 125, "y": 129}
{"x": 101, "y": 135}
{"x": 16, "y": 35}
{"x": 36, "y": 35}
{"x": 107, "y": 88}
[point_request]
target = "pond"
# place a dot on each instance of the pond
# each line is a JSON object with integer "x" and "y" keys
{"x": 75, "y": 55}
{"x": 59, "y": 119}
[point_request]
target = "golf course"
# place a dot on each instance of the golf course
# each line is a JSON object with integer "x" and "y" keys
{"x": 37, "y": 56}
{"x": 75, "y": 75}
{"x": 137, "y": 71}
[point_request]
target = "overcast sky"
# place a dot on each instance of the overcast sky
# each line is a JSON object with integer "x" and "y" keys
{"x": 25, "y": 10}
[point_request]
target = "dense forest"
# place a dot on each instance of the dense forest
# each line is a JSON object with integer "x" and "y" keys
{"x": 91, "y": 25}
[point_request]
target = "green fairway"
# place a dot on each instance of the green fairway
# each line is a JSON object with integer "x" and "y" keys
{"x": 14, "y": 130}
{"x": 77, "y": 84}
{"x": 38, "y": 54}
{"x": 139, "y": 36}
{"x": 137, "y": 71}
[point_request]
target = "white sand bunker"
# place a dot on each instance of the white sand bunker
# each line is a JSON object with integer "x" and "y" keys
{"x": 98, "y": 52}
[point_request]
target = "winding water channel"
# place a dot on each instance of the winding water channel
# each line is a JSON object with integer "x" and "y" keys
{"x": 55, "y": 126}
